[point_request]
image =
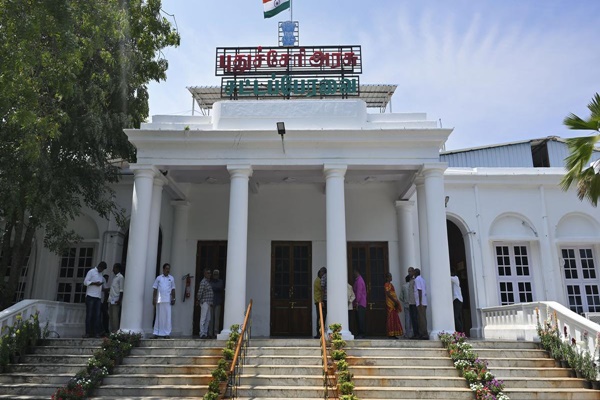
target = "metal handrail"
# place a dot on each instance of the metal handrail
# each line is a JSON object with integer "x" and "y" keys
{"x": 329, "y": 376}
{"x": 239, "y": 356}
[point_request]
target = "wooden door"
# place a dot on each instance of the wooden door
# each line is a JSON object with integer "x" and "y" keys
{"x": 371, "y": 259}
{"x": 211, "y": 255}
{"x": 291, "y": 289}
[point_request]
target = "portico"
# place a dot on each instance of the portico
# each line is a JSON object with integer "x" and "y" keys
{"x": 345, "y": 176}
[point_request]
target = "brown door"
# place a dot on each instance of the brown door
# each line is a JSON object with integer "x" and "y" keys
{"x": 291, "y": 289}
{"x": 212, "y": 255}
{"x": 371, "y": 259}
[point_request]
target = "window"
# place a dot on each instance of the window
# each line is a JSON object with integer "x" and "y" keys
{"x": 581, "y": 279}
{"x": 74, "y": 264}
{"x": 515, "y": 283}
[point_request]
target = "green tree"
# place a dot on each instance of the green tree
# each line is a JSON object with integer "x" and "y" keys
{"x": 580, "y": 172}
{"x": 73, "y": 75}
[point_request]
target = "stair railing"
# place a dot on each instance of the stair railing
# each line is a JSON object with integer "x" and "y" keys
{"x": 329, "y": 376}
{"x": 239, "y": 356}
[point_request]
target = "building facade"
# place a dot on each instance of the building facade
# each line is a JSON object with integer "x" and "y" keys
{"x": 342, "y": 188}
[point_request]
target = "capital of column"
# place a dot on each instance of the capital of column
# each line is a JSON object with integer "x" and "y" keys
{"x": 334, "y": 171}
{"x": 240, "y": 171}
{"x": 144, "y": 170}
{"x": 180, "y": 203}
{"x": 405, "y": 205}
{"x": 432, "y": 169}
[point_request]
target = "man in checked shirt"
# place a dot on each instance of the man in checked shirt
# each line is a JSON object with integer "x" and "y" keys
{"x": 204, "y": 299}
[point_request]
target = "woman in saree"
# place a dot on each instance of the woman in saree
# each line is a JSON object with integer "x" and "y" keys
{"x": 393, "y": 325}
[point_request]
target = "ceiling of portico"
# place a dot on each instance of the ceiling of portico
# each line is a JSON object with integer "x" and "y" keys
{"x": 403, "y": 178}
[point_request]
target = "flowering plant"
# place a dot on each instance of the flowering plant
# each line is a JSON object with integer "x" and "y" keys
{"x": 473, "y": 369}
{"x": 101, "y": 364}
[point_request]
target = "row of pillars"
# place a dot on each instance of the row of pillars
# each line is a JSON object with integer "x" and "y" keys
{"x": 143, "y": 237}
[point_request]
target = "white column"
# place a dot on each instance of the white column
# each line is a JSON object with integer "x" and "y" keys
{"x": 337, "y": 264}
{"x": 406, "y": 237}
{"x": 178, "y": 261}
{"x": 237, "y": 248}
{"x": 133, "y": 293}
{"x": 439, "y": 286}
{"x": 422, "y": 218}
{"x": 152, "y": 254}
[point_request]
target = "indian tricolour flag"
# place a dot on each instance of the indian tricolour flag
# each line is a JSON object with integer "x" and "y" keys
{"x": 274, "y": 7}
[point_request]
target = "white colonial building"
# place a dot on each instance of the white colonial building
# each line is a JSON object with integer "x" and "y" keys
{"x": 342, "y": 188}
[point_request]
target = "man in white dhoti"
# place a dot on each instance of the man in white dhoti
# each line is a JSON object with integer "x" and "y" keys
{"x": 162, "y": 299}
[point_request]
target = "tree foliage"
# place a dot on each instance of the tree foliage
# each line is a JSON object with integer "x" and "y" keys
{"x": 580, "y": 172}
{"x": 73, "y": 75}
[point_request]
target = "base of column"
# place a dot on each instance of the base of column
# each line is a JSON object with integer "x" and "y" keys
{"x": 433, "y": 335}
{"x": 224, "y": 335}
{"x": 347, "y": 335}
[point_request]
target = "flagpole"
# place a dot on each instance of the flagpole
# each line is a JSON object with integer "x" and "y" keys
{"x": 291, "y": 10}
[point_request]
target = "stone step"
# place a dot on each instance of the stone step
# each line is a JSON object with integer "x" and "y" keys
{"x": 544, "y": 383}
{"x": 388, "y": 392}
{"x": 47, "y": 369}
{"x": 58, "y": 350}
{"x": 55, "y": 359}
{"x": 396, "y": 361}
{"x": 410, "y": 381}
{"x": 18, "y": 378}
{"x": 139, "y": 398}
{"x": 281, "y": 380}
{"x": 397, "y": 352}
{"x": 553, "y": 372}
{"x": 281, "y": 392}
{"x": 521, "y": 363}
{"x": 147, "y": 380}
{"x": 176, "y": 351}
{"x": 488, "y": 354}
{"x": 29, "y": 389}
{"x": 284, "y": 360}
{"x": 164, "y": 369}
{"x": 385, "y": 343}
{"x": 283, "y": 369}
{"x": 403, "y": 370}
{"x": 160, "y": 391}
{"x": 23, "y": 397}
{"x": 73, "y": 342}
{"x": 284, "y": 351}
{"x": 182, "y": 342}
{"x": 171, "y": 360}
{"x": 502, "y": 344}
{"x": 552, "y": 394}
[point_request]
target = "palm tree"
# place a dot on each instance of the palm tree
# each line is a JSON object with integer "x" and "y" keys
{"x": 584, "y": 175}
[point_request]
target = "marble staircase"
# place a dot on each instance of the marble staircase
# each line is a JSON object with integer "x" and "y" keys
{"x": 179, "y": 369}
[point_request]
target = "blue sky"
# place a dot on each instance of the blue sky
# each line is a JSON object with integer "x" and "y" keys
{"x": 495, "y": 70}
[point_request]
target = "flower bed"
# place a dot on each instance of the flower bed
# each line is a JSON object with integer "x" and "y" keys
{"x": 338, "y": 354}
{"x": 218, "y": 384}
{"x": 114, "y": 348}
{"x": 481, "y": 381}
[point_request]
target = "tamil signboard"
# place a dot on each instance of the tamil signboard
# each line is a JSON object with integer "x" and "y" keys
{"x": 318, "y": 71}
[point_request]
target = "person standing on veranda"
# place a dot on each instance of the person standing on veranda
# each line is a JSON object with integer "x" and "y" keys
{"x": 393, "y": 325}
{"x": 404, "y": 298}
{"x": 457, "y": 303}
{"x": 93, "y": 297}
{"x": 317, "y": 298}
{"x": 115, "y": 298}
{"x": 163, "y": 297}
{"x": 360, "y": 304}
{"x": 204, "y": 299}
{"x": 218, "y": 287}
{"x": 421, "y": 299}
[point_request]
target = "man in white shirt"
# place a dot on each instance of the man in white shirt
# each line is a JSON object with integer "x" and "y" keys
{"x": 115, "y": 298}
{"x": 93, "y": 297}
{"x": 163, "y": 298}
{"x": 457, "y": 302}
{"x": 421, "y": 300}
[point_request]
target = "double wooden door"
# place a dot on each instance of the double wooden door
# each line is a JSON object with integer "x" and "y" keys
{"x": 291, "y": 291}
{"x": 371, "y": 259}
